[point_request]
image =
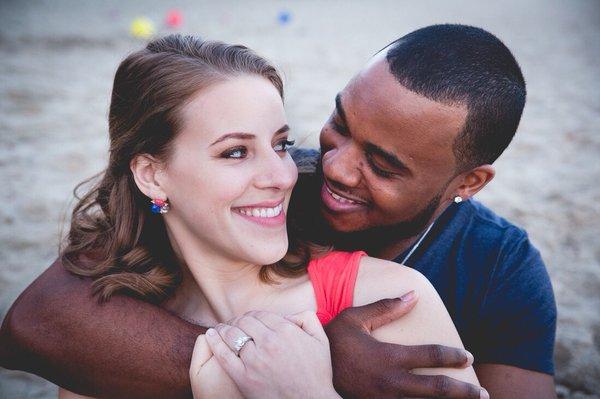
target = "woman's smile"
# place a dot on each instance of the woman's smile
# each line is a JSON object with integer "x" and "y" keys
{"x": 266, "y": 213}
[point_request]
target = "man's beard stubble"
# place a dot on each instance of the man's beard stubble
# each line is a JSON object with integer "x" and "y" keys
{"x": 373, "y": 239}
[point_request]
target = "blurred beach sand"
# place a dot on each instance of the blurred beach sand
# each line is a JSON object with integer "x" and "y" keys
{"x": 57, "y": 60}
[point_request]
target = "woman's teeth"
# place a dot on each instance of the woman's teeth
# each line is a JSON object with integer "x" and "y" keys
{"x": 262, "y": 212}
{"x": 339, "y": 198}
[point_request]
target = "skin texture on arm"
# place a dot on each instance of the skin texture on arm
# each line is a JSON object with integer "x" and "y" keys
{"x": 124, "y": 348}
{"x": 64, "y": 394}
{"x": 509, "y": 382}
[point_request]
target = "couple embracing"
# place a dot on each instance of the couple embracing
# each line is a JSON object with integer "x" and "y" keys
{"x": 366, "y": 275}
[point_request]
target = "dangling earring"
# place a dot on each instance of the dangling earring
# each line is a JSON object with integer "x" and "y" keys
{"x": 159, "y": 206}
{"x": 458, "y": 199}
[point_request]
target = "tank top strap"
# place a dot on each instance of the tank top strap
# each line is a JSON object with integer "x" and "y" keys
{"x": 333, "y": 277}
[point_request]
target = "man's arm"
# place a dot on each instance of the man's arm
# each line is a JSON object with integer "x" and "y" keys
{"x": 364, "y": 367}
{"x": 509, "y": 382}
{"x": 124, "y": 348}
{"x": 127, "y": 348}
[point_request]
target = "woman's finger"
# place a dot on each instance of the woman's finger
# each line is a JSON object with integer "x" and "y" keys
{"x": 309, "y": 322}
{"x": 231, "y": 335}
{"x": 200, "y": 355}
{"x": 254, "y": 328}
{"x": 271, "y": 320}
{"x": 232, "y": 364}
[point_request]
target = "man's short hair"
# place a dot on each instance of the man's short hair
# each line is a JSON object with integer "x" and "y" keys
{"x": 459, "y": 64}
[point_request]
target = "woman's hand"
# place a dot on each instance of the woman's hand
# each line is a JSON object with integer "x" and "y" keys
{"x": 288, "y": 357}
{"x": 207, "y": 377}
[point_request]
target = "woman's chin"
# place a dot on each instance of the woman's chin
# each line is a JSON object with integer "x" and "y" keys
{"x": 273, "y": 254}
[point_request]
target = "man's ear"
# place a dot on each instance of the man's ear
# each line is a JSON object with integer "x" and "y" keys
{"x": 145, "y": 169}
{"x": 474, "y": 180}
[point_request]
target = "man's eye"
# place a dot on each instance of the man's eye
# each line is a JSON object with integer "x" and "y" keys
{"x": 340, "y": 128}
{"x": 235, "y": 153}
{"x": 377, "y": 170}
{"x": 282, "y": 146}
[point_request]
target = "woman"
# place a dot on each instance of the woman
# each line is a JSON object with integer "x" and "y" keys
{"x": 190, "y": 213}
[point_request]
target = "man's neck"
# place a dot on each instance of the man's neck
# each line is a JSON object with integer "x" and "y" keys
{"x": 393, "y": 250}
{"x": 384, "y": 242}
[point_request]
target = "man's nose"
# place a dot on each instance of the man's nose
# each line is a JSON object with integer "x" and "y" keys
{"x": 342, "y": 164}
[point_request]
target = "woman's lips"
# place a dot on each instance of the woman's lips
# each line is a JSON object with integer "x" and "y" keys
{"x": 337, "y": 203}
{"x": 263, "y": 215}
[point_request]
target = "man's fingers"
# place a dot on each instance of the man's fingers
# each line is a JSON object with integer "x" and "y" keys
{"x": 382, "y": 312}
{"x": 232, "y": 364}
{"x": 309, "y": 322}
{"x": 432, "y": 356}
{"x": 439, "y": 386}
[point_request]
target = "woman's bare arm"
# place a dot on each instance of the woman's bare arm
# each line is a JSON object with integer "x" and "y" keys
{"x": 124, "y": 348}
{"x": 428, "y": 322}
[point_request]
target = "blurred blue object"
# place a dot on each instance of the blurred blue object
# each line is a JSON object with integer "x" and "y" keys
{"x": 284, "y": 17}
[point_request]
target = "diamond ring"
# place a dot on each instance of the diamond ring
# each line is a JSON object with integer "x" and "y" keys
{"x": 239, "y": 343}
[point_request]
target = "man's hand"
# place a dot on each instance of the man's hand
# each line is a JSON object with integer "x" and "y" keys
{"x": 364, "y": 367}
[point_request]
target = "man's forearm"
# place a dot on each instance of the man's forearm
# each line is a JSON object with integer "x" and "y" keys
{"x": 124, "y": 348}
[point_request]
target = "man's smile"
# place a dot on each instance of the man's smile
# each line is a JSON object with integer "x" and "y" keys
{"x": 338, "y": 202}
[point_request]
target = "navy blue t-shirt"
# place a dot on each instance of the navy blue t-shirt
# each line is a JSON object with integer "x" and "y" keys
{"x": 494, "y": 285}
{"x": 490, "y": 277}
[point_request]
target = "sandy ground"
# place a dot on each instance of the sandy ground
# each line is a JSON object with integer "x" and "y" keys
{"x": 57, "y": 60}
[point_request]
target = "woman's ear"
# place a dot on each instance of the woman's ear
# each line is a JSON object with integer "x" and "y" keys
{"x": 474, "y": 180}
{"x": 145, "y": 170}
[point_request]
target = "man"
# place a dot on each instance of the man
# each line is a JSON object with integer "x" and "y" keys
{"x": 411, "y": 140}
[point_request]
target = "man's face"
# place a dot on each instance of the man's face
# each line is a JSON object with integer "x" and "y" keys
{"x": 387, "y": 154}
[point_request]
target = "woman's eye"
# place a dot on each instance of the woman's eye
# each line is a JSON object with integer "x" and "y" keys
{"x": 235, "y": 153}
{"x": 282, "y": 146}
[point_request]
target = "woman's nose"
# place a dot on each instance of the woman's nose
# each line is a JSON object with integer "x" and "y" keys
{"x": 276, "y": 172}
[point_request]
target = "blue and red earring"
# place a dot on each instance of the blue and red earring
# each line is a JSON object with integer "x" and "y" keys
{"x": 159, "y": 206}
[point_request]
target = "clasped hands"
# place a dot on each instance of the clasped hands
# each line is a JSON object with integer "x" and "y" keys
{"x": 291, "y": 357}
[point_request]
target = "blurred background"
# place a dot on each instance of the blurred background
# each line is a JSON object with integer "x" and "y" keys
{"x": 57, "y": 60}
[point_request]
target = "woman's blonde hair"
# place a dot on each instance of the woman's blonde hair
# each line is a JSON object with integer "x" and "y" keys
{"x": 113, "y": 236}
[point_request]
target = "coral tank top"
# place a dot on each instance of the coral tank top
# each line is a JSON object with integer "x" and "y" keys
{"x": 333, "y": 277}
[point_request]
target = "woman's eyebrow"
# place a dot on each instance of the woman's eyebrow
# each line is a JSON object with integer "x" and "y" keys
{"x": 235, "y": 135}
{"x": 246, "y": 136}
{"x": 283, "y": 129}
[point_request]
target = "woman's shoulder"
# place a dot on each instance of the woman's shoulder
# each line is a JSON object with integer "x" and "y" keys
{"x": 378, "y": 279}
{"x": 335, "y": 259}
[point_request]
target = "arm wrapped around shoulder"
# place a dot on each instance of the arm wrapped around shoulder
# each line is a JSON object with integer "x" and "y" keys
{"x": 429, "y": 321}
{"x": 124, "y": 348}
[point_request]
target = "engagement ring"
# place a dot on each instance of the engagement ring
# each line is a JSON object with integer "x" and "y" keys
{"x": 239, "y": 343}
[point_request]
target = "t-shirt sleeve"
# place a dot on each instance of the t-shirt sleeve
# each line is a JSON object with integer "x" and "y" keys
{"x": 518, "y": 314}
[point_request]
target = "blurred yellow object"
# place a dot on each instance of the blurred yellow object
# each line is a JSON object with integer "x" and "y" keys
{"x": 142, "y": 28}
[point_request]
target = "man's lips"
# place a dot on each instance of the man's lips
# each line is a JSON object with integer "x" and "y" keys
{"x": 336, "y": 202}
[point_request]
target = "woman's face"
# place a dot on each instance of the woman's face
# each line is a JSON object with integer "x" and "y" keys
{"x": 229, "y": 177}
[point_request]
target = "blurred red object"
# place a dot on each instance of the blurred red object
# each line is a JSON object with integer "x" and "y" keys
{"x": 174, "y": 19}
